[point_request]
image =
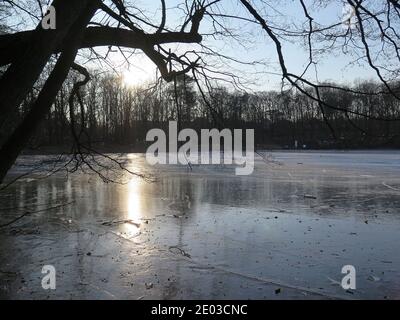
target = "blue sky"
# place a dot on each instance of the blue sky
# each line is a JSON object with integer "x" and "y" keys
{"x": 253, "y": 44}
{"x": 331, "y": 66}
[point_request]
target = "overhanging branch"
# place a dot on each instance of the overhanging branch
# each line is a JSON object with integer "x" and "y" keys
{"x": 11, "y": 44}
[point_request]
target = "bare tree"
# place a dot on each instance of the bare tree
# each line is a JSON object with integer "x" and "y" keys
{"x": 28, "y": 52}
{"x": 370, "y": 35}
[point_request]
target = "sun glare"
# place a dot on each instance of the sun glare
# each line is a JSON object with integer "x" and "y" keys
{"x": 139, "y": 73}
{"x": 131, "y": 79}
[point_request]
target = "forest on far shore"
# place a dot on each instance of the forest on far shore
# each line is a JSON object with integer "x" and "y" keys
{"x": 115, "y": 117}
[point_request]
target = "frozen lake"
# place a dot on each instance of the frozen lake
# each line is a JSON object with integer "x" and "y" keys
{"x": 284, "y": 232}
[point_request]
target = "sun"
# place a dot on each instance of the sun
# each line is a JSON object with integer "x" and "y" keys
{"x": 137, "y": 77}
{"x": 141, "y": 72}
{"x": 131, "y": 78}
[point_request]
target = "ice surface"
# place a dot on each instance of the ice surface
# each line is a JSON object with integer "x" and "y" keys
{"x": 206, "y": 233}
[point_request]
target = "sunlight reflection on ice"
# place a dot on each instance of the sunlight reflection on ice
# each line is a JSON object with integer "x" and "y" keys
{"x": 133, "y": 200}
{"x": 133, "y": 206}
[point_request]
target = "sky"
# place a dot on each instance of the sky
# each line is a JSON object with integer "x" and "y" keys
{"x": 252, "y": 44}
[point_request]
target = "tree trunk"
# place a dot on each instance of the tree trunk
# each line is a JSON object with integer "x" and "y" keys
{"x": 28, "y": 65}
{"x": 19, "y": 138}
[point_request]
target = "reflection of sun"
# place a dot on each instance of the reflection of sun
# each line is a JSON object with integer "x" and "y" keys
{"x": 133, "y": 200}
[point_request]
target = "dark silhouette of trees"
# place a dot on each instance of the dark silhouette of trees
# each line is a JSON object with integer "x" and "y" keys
{"x": 117, "y": 116}
{"x": 28, "y": 52}
{"x": 35, "y": 86}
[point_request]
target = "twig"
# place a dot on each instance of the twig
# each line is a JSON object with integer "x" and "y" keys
{"x": 181, "y": 251}
{"x": 390, "y": 187}
{"x": 29, "y": 213}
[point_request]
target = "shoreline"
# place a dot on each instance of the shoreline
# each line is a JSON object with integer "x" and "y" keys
{"x": 129, "y": 150}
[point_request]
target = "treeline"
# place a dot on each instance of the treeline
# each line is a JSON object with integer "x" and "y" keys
{"x": 114, "y": 115}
